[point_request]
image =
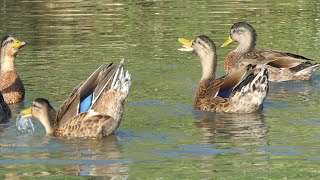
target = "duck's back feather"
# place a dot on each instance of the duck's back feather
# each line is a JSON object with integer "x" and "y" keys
{"x": 85, "y": 124}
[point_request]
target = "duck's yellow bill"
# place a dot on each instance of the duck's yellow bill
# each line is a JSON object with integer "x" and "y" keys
{"x": 228, "y": 41}
{"x": 26, "y": 111}
{"x": 185, "y": 42}
{"x": 18, "y": 44}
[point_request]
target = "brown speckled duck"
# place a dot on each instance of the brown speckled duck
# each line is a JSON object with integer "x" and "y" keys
{"x": 5, "y": 112}
{"x": 242, "y": 91}
{"x": 282, "y": 66}
{"x": 10, "y": 83}
{"x": 94, "y": 108}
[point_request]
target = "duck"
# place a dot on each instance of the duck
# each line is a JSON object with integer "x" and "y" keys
{"x": 5, "y": 112}
{"x": 11, "y": 85}
{"x": 241, "y": 91}
{"x": 94, "y": 109}
{"x": 282, "y": 66}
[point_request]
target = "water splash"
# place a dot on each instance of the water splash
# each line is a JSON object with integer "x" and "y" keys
{"x": 24, "y": 124}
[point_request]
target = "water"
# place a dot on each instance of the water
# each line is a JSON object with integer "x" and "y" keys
{"x": 24, "y": 124}
{"x": 161, "y": 136}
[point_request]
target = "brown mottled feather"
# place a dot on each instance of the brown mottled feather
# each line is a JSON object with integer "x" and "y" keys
{"x": 84, "y": 125}
{"x": 11, "y": 87}
{"x": 206, "y": 96}
{"x": 231, "y": 59}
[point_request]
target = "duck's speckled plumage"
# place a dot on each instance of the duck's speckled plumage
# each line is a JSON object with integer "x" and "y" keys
{"x": 242, "y": 91}
{"x": 11, "y": 85}
{"x": 110, "y": 86}
{"x": 282, "y": 66}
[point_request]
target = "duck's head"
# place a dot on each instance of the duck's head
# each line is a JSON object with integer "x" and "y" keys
{"x": 243, "y": 33}
{"x": 202, "y": 46}
{"x": 41, "y": 110}
{"x": 10, "y": 45}
{"x": 205, "y": 49}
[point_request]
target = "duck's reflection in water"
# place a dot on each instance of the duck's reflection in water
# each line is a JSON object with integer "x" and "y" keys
{"x": 238, "y": 139}
{"x": 83, "y": 157}
{"x": 101, "y": 158}
{"x": 243, "y": 129}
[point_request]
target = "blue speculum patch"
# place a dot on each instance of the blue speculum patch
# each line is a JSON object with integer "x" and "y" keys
{"x": 225, "y": 93}
{"x": 85, "y": 103}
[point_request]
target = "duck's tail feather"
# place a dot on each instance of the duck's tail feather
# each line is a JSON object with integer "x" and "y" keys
{"x": 105, "y": 79}
{"x": 121, "y": 79}
{"x": 250, "y": 93}
{"x": 114, "y": 79}
{"x": 306, "y": 72}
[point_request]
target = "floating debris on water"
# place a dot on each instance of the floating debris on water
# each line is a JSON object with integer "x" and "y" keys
{"x": 24, "y": 124}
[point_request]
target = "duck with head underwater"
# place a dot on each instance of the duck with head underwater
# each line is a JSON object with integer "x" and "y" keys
{"x": 94, "y": 109}
{"x": 11, "y": 85}
{"x": 241, "y": 91}
{"x": 282, "y": 66}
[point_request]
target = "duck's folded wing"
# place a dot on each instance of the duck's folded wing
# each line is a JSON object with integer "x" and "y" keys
{"x": 234, "y": 78}
{"x": 276, "y": 59}
{"x": 223, "y": 87}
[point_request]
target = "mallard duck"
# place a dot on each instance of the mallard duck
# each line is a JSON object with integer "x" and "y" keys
{"x": 10, "y": 83}
{"x": 94, "y": 108}
{"x": 5, "y": 112}
{"x": 282, "y": 66}
{"x": 241, "y": 91}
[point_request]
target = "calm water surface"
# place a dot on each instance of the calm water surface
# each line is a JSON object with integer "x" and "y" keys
{"x": 161, "y": 136}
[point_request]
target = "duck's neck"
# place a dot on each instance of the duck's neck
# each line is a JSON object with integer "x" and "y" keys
{"x": 48, "y": 122}
{"x": 209, "y": 65}
{"x": 7, "y": 61}
{"x": 247, "y": 44}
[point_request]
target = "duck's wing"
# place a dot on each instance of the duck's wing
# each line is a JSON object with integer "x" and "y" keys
{"x": 86, "y": 91}
{"x": 235, "y": 91}
{"x": 224, "y": 86}
{"x": 276, "y": 59}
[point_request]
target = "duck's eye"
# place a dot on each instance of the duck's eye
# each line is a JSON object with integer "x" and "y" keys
{"x": 35, "y": 106}
{"x": 199, "y": 42}
{"x": 233, "y": 31}
{"x": 240, "y": 31}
